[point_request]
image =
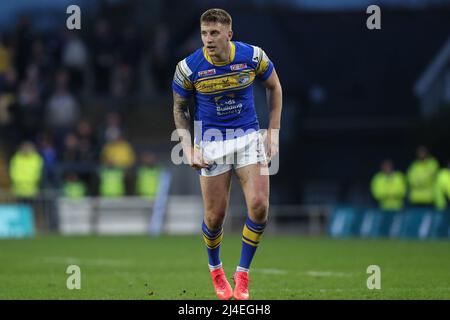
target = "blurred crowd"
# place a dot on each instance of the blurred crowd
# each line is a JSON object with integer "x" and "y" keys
{"x": 88, "y": 162}
{"x": 45, "y": 80}
{"x": 425, "y": 185}
{"x": 44, "y": 75}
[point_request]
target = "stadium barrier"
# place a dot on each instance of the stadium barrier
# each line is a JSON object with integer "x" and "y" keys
{"x": 311, "y": 220}
{"x": 410, "y": 223}
{"x": 97, "y": 215}
{"x": 41, "y": 208}
{"x": 49, "y": 212}
{"x": 16, "y": 221}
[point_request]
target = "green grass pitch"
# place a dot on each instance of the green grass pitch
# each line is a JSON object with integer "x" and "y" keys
{"x": 175, "y": 267}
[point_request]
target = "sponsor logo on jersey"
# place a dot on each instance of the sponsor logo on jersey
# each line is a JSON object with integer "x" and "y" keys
{"x": 209, "y": 72}
{"x": 225, "y": 82}
{"x": 238, "y": 66}
{"x": 226, "y": 105}
{"x": 243, "y": 78}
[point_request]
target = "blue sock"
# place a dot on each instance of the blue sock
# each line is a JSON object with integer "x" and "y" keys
{"x": 251, "y": 235}
{"x": 212, "y": 239}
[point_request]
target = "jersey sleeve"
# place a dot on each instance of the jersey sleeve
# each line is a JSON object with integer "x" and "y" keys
{"x": 182, "y": 84}
{"x": 264, "y": 66}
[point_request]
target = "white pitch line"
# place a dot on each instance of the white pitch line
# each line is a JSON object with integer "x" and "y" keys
{"x": 316, "y": 273}
{"x": 269, "y": 271}
{"x": 89, "y": 262}
{"x": 312, "y": 273}
{"x": 319, "y": 290}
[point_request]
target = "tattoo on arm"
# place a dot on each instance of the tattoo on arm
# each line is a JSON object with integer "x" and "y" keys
{"x": 181, "y": 116}
{"x": 180, "y": 111}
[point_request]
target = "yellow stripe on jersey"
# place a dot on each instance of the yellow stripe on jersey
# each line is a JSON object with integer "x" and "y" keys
{"x": 230, "y": 59}
{"x": 251, "y": 235}
{"x": 225, "y": 82}
{"x": 181, "y": 76}
{"x": 263, "y": 64}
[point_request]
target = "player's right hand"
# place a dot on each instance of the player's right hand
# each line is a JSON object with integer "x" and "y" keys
{"x": 196, "y": 159}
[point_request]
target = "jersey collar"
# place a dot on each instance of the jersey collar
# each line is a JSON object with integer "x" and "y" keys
{"x": 232, "y": 54}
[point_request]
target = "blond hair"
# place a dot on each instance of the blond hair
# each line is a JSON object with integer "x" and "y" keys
{"x": 216, "y": 16}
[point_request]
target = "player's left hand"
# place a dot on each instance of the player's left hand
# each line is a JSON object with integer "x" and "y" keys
{"x": 271, "y": 143}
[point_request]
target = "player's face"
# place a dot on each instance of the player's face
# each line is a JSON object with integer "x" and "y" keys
{"x": 215, "y": 37}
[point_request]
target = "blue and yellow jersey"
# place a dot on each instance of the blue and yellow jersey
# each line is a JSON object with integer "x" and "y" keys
{"x": 223, "y": 93}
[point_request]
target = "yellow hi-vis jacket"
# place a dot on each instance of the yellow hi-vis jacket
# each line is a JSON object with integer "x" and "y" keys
{"x": 25, "y": 171}
{"x": 422, "y": 179}
{"x": 74, "y": 189}
{"x": 112, "y": 183}
{"x": 389, "y": 190}
{"x": 442, "y": 189}
{"x": 147, "y": 181}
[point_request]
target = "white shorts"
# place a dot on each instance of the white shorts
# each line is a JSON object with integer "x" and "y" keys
{"x": 233, "y": 153}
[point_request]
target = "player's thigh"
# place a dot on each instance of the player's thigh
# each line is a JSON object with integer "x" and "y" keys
{"x": 255, "y": 185}
{"x": 215, "y": 193}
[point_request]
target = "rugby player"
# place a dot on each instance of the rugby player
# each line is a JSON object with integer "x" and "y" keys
{"x": 219, "y": 77}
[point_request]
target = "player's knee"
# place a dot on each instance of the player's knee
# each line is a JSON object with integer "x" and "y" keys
{"x": 259, "y": 207}
{"x": 215, "y": 221}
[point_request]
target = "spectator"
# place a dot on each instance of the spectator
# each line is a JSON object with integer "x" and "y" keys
{"x": 62, "y": 109}
{"x": 122, "y": 82}
{"x": 49, "y": 157}
{"x": 41, "y": 59}
{"x": 147, "y": 176}
{"x": 443, "y": 188}
{"x": 130, "y": 54}
{"x": 70, "y": 152}
{"x": 86, "y": 141}
{"x": 112, "y": 180}
{"x": 421, "y": 178}
{"x": 25, "y": 171}
{"x": 118, "y": 153}
{"x": 30, "y": 102}
{"x": 74, "y": 58}
{"x": 103, "y": 47}
{"x": 112, "y": 128}
{"x": 389, "y": 187}
{"x": 74, "y": 188}
{"x": 8, "y": 88}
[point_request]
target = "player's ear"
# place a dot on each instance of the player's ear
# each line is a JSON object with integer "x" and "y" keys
{"x": 230, "y": 34}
